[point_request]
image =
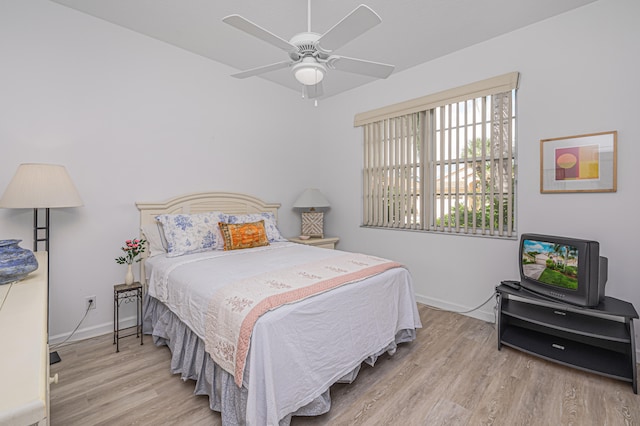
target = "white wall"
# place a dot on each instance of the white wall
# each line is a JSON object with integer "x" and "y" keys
{"x": 132, "y": 119}
{"x": 579, "y": 74}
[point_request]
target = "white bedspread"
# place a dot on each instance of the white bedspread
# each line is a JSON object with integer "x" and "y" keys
{"x": 299, "y": 350}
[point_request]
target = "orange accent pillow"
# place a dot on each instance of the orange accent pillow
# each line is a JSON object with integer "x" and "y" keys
{"x": 243, "y": 235}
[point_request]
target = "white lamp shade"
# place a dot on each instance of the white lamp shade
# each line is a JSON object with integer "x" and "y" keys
{"x": 311, "y": 198}
{"x": 40, "y": 186}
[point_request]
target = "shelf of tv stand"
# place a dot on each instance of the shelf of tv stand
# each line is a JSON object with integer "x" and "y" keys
{"x": 598, "y": 339}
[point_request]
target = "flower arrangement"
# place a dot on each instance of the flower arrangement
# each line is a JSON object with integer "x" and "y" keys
{"x": 132, "y": 249}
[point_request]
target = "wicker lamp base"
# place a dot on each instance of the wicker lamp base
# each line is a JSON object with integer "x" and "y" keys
{"x": 313, "y": 224}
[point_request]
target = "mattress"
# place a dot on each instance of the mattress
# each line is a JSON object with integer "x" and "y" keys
{"x": 299, "y": 350}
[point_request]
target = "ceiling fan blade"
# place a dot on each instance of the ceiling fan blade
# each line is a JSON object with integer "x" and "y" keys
{"x": 249, "y": 27}
{"x": 261, "y": 70}
{"x": 361, "y": 19}
{"x": 360, "y": 66}
{"x": 311, "y": 92}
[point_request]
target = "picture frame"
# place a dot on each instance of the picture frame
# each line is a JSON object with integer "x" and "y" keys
{"x": 582, "y": 163}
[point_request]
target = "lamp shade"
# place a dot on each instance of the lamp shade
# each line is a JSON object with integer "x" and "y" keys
{"x": 311, "y": 198}
{"x": 40, "y": 186}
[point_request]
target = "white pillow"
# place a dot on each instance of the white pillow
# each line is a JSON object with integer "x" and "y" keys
{"x": 154, "y": 235}
{"x": 270, "y": 225}
{"x": 191, "y": 233}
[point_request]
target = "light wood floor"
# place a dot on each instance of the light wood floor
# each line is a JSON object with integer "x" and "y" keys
{"x": 452, "y": 374}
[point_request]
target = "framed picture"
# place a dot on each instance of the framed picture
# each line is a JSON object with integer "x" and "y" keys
{"x": 583, "y": 163}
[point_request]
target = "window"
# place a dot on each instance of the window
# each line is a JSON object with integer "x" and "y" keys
{"x": 444, "y": 162}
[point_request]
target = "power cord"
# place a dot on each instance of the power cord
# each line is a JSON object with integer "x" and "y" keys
{"x": 56, "y": 346}
{"x": 494, "y": 294}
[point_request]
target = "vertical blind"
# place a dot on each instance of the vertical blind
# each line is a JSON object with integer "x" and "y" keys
{"x": 444, "y": 162}
{"x": 392, "y": 172}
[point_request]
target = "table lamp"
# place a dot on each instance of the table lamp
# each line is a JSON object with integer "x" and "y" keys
{"x": 312, "y": 220}
{"x": 41, "y": 186}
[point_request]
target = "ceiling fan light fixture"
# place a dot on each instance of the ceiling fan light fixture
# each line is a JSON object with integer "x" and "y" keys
{"x": 309, "y": 72}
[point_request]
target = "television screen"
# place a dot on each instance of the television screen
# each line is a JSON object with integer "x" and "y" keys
{"x": 551, "y": 263}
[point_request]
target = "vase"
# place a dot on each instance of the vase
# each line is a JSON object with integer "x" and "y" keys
{"x": 128, "y": 278}
{"x": 15, "y": 262}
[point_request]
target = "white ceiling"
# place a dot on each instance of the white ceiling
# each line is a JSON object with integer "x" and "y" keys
{"x": 412, "y": 31}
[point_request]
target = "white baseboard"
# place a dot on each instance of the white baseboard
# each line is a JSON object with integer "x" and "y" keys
{"x": 93, "y": 331}
{"x": 485, "y": 313}
{"x": 101, "y": 329}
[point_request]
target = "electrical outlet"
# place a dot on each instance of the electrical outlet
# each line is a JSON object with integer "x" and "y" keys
{"x": 90, "y": 302}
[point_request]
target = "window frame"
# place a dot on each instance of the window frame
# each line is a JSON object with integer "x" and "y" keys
{"x": 385, "y": 160}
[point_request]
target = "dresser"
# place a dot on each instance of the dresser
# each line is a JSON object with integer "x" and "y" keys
{"x": 24, "y": 353}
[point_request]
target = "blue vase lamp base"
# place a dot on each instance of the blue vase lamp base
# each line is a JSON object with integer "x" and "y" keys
{"x": 15, "y": 262}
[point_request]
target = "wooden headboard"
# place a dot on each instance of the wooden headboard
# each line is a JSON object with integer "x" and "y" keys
{"x": 200, "y": 202}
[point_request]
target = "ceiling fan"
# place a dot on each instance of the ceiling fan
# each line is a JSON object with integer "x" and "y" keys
{"x": 311, "y": 54}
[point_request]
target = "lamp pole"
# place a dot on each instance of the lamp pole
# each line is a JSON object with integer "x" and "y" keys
{"x": 41, "y": 186}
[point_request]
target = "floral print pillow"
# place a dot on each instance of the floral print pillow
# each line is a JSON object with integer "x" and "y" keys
{"x": 191, "y": 233}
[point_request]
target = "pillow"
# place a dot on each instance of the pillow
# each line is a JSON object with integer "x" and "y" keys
{"x": 155, "y": 238}
{"x": 270, "y": 225}
{"x": 243, "y": 235}
{"x": 190, "y": 233}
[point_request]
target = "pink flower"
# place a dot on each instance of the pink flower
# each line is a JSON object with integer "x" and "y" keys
{"x": 132, "y": 248}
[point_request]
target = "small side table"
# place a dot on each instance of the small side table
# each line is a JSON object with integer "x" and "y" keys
{"x": 123, "y": 293}
{"x": 327, "y": 242}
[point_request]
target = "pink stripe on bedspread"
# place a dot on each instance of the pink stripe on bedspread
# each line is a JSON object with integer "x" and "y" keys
{"x": 234, "y": 310}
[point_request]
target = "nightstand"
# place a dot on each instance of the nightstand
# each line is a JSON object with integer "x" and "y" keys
{"x": 327, "y": 242}
{"x": 123, "y": 293}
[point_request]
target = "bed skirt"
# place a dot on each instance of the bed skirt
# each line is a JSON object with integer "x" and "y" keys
{"x": 189, "y": 359}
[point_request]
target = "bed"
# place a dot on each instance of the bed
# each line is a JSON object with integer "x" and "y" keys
{"x": 295, "y": 349}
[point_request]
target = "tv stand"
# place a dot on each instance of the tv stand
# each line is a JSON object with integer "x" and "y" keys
{"x": 598, "y": 339}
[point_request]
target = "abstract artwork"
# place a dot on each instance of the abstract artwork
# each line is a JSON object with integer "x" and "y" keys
{"x": 578, "y": 162}
{"x": 583, "y": 163}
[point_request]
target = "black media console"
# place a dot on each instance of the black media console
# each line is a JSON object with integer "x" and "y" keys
{"x": 598, "y": 339}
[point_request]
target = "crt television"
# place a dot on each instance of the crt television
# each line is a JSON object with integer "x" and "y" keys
{"x": 566, "y": 269}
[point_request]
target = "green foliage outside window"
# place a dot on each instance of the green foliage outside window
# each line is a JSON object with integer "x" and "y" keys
{"x": 462, "y": 215}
